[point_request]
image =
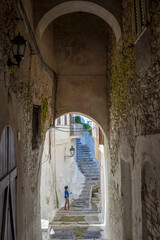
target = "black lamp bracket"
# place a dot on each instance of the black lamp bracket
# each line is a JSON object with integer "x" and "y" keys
{"x": 19, "y": 19}
{"x": 10, "y": 63}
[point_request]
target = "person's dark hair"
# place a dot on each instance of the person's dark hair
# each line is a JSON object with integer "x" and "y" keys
{"x": 65, "y": 187}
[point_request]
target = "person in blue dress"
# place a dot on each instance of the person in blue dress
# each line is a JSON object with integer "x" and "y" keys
{"x": 66, "y": 196}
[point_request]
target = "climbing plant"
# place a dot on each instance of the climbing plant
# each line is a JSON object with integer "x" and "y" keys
{"x": 122, "y": 67}
{"x": 85, "y": 125}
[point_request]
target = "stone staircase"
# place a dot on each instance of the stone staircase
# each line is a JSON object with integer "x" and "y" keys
{"x": 83, "y": 219}
{"x": 90, "y": 169}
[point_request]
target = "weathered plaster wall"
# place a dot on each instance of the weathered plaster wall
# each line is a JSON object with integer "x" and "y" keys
{"x": 79, "y": 50}
{"x": 47, "y": 45}
{"x": 28, "y": 6}
{"x": 48, "y": 178}
{"x": 67, "y": 171}
{"x": 147, "y": 171}
{"x": 135, "y": 111}
{"x": 19, "y": 89}
{"x": 57, "y": 171}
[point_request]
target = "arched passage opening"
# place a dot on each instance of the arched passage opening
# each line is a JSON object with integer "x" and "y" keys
{"x": 78, "y": 6}
{"x": 80, "y": 55}
{"x": 85, "y": 173}
{"x": 79, "y": 51}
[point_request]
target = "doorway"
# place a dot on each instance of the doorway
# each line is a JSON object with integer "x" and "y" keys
{"x": 8, "y": 174}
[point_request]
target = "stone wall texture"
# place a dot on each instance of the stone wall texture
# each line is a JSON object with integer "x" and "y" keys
{"x": 135, "y": 114}
{"x": 20, "y": 88}
{"x": 117, "y": 84}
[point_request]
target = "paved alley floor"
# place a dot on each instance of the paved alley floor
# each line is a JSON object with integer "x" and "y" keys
{"x": 76, "y": 224}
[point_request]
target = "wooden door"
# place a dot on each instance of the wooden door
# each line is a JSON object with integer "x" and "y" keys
{"x": 8, "y": 174}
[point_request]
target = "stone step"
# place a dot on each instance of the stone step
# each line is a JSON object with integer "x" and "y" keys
{"x": 80, "y": 159}
{"x": 96, "y": 194}
{"x": 86, "y": 167}
{"x": 85, "y": 192}
{"x": 84, "y": 196}
{"x": 82, "y": 202}
{"x": 79, "y": 152}
{"x": 89, "y": 164}
{"x": 87, "y": 154}
{"x": 95, "y": 171}
{"x": 88, "y": 170}
{"x": 91, "y": 159}
{"x": 84, "y": 157}
{"x": 90, "y": 183}
{"x": 91, "y": 176}
{"x": 80, "y": 146}
{"x": 81, "y": 149}
{"x": 86, "y": 188}
{"x": 87, "y": 160}
{"x": 91, "y": 173}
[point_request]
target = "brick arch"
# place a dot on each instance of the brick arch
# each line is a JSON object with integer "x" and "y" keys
{"x": 78, "y": 6}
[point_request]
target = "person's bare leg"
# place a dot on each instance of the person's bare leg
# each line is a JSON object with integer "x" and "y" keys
{"x": 68, "y": 204}
{"x": 65, "y": 206}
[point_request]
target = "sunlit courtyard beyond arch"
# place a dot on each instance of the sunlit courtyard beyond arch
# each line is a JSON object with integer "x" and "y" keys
{"x": 74, "y": 159}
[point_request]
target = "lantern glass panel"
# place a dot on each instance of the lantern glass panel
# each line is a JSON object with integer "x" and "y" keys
{"x": 21, "y": 49}
{"x": 15, "y": 49}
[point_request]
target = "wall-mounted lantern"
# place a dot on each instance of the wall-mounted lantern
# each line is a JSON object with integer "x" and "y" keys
{"x": 18, "y": 49}
{"x": 72, "y": 152}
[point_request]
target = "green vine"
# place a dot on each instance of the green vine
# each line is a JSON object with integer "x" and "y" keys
{"x": 123, "y": 68}
{"x": 122, "y": 71}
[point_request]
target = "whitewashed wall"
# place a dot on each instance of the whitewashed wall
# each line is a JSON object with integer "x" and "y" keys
{"x": 57, "y": 170}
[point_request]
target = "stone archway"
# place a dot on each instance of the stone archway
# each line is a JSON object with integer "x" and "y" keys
{"x": 78, "y": 6}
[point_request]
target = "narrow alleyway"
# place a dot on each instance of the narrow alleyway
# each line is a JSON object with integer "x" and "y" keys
{"x": 99, "y": 59}
{"x": 83, "y": 220}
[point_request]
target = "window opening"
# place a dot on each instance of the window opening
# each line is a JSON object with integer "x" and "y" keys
{"x": 139, "y": 17}
{"x": 36, "y": 123}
